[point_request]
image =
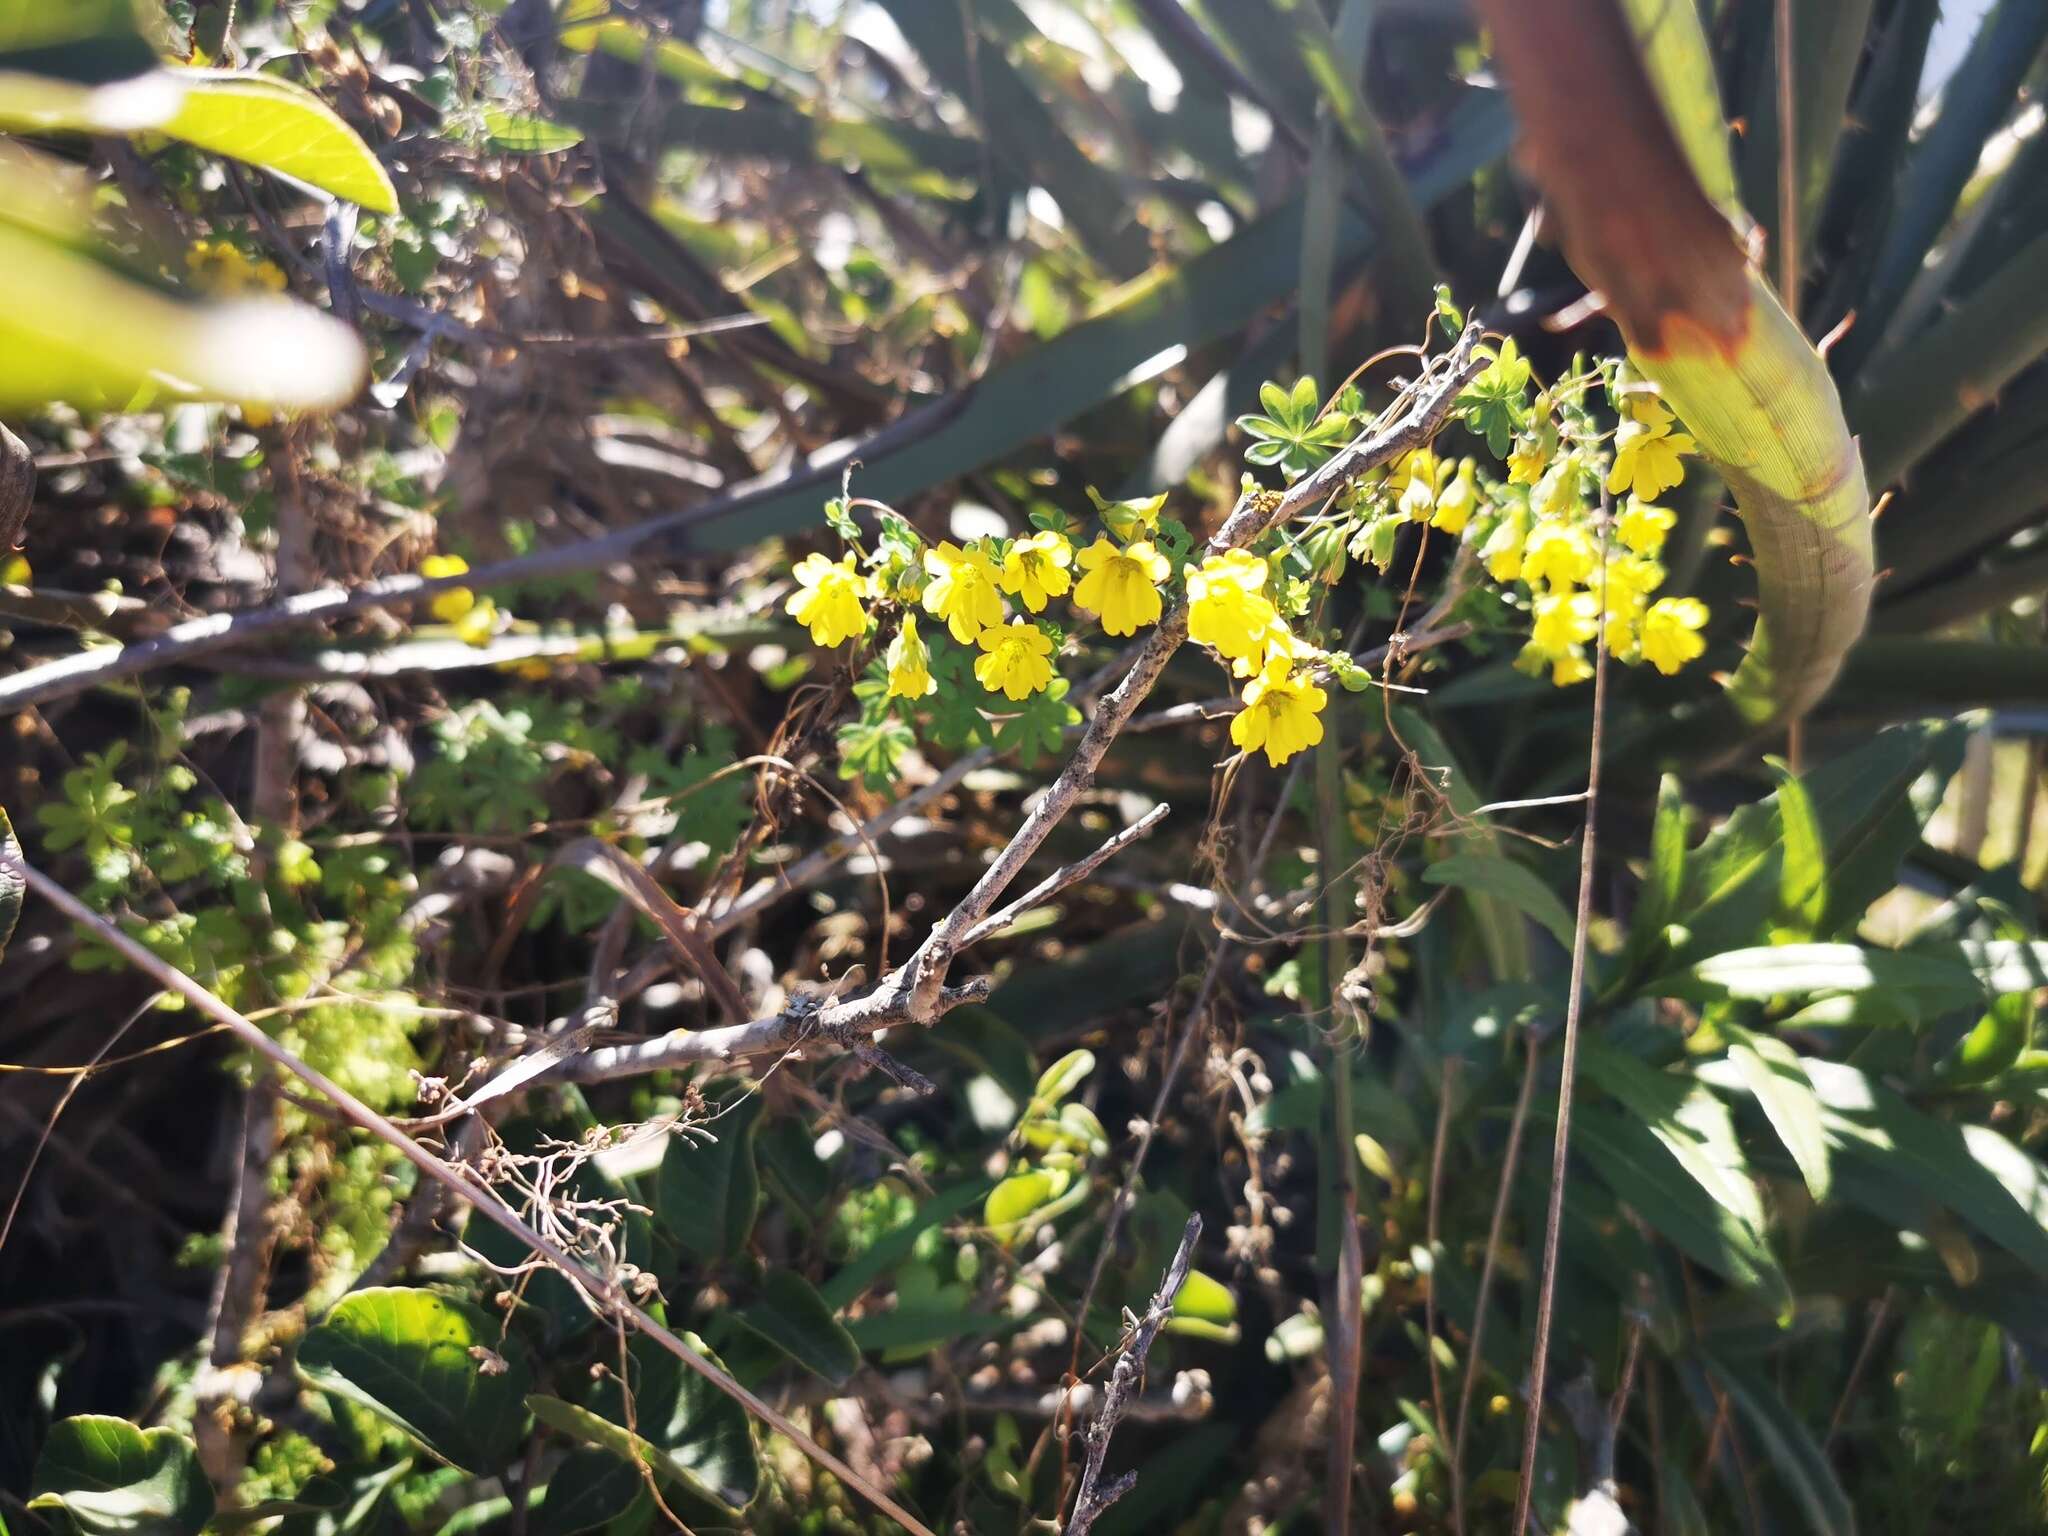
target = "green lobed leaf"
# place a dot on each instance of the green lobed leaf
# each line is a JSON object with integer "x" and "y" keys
{"x": 110, "y": 1478}
{"x": 790, "y": 1314}
{"x": 418, "y": 1360}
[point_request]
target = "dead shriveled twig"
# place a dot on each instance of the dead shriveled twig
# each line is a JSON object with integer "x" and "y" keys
{"x": 1095, "y": 1496}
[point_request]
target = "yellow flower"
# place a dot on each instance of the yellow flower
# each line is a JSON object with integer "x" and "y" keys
{"x": 1671, "y": 633}
{"x": 1559, "y": 554}
{"x": 1282, "y": 710}
{"x": 962, "y": 590}
{"x": 1633, "y": 575}
{"x": 450, "y": 605}
{"x": 1228, "y": 609}
{"x": 1563, "y": 620}
{"x": 1455, "y": 502}
{"x": 910, "y": 663}
{"x": 828, "y": 599}
{"x": 1417, "y": 476}
{"x": 1570, "y": 668}
{"x": 1624, "y": 611}
{"x": 1502, "y": 550}
{"x": 1646, "y": 456}
{"x": 1643, "y": 406}
{"x": 478, "y": 623}
{"x": 1526, "y": 461}
{"x": 1018, "y": 662}
{"x": 1122, "y": 585}
{"x": 1035, "y": 569}
{"x": 1642, "y": 527}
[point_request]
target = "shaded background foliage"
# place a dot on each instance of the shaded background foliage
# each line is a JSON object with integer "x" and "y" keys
{"x": 1001, "y": 253}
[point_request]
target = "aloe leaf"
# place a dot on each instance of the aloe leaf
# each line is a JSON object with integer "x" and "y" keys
{"x": 1640, "y": 226}
{"x": 1918, "y": 394}
{"x": 1974, "y": 102}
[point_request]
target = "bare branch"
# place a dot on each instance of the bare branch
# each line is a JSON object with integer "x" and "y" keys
{"x": 1066, "y": 875}
{"x": 603, "y": 1292}
{"x": 1095, "y": 1495}
{"x": 838, "y": 1023}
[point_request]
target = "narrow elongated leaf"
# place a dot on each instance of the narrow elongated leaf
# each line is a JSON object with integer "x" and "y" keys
{"x": 1803, "y": 871}
{"x": 1502, "y": 934}
{"x": 1869, "y": 805}
{"x": 1689, "y": 1120}
{"x": 1642, "y": 1171}
{"x": 77, "y": 331}
{"x": 419, "y": 1360}
{"x": 1516, "y": 884}
{"x": 1771, "y": 1070}
{"x": 1802, "y": 970}
{"x": 790, "y": 1314}
{"x": 111, "y": 1479}
{"x": 1793, "y": 1452}
{"x": 1970, "y": 1169}
{"x": 708, "y": 1193}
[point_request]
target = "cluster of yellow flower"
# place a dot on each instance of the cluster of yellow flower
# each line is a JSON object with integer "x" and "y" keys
{"x": 1550, "y": 543}
{"x": 221, "y": 269}
{"x": 1119, "y": 585}
{"x": 474, "y": 618}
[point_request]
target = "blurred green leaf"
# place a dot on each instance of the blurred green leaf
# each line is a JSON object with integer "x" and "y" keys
{"x": 1791, "y": 1448}
{"x": 523, "y": 134}
{"x": 109, "y": 1478}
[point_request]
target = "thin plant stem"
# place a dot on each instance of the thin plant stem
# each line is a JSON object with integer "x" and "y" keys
{"x": 1546, "y": 1300}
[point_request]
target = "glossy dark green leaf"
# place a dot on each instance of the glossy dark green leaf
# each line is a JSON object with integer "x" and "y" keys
{"x": 108, "y": 1478}
{"x": 708, "y": 1192}
{"x": 697, "y": 1441}
{"x": 790, "y": 1314}
{"x": 427, "y": 1364}
{"x": 591, "y": 1488}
